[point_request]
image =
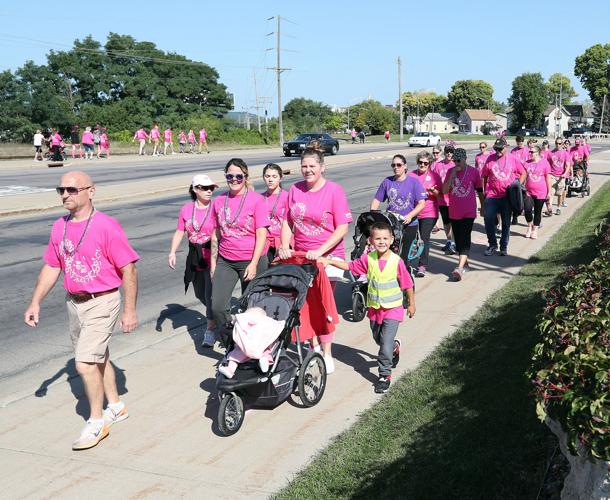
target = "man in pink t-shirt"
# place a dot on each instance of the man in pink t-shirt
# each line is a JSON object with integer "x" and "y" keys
{"x": 520, "y": 151}
{"x": 141, "y": 137}
{"x": 155, "y": 135}
{"x": 93, "y": 252}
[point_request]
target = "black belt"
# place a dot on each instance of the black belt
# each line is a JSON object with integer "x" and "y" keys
{"x": 81, "y": 297}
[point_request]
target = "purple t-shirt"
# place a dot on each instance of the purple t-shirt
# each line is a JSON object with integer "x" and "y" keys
{"x": 463, "y": 193}
{"x": 402, "y": 196}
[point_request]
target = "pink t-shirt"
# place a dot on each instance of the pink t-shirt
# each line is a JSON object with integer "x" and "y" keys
{"x": 545, "y": 153}
{"x": 428, "y": 179}
{"x": 238, "y": 228}
{"x": 277, "y": 209}
{"x": 360, "y": 267}
{"x": 441, "y": 168}
{"x": 56, "y": 140}
{"x": 96, "y": 265}
{"x": 204, "y": 226}
{"x": 314, "y": 216}
{"x": 154, "y": 133}
{"x": 191, "y": 136}
{"x": 535, "y": 184}
{"x": 104, "y": 139}
{"x": 182, "y": 137}
{"x": 522, "y": 154}
{"x": 463, "y": 193}
{"x": 558, "y": 159}
{"x": 167, "y": 134}
{"x": 87, "y": 138}
{"x": 203, "y": 135}
{"x": 141, "y": 134}
{"x": 500, "y": 172}
{"x": 479, "y": 159}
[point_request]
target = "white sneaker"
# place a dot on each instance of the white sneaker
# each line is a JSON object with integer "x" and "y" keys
{"x": 209, "y": 338}
{"x": 330, "y": 364}
{"x": 112, "y": 416}
{"x": 90, "y": 436}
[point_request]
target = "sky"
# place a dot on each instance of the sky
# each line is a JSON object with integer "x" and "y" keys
{"x": 339, "y": 53}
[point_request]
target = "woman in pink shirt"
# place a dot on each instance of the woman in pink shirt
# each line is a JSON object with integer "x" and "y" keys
{"x": 141, "y": 137}
{"x": 238, "y": 244}
{"x": 441, "y": 168}
{"x": 318, "y": 217}
{"x": 168, "y": 140}
{"x": 538, "y": 186}
{"x": 276, "y": 201}
{"x": 203, "y": 140}
{"x": 196, "y": 220}
{"x": 155, "y": 134}
{"x": 479, "y": 159}
{"x": 182, "y": 141}
{"x": 104, "y": 144}
{"x": 88, "y": 143}
{"x": 462, "y": 185}
{"x": 192, "y": 141}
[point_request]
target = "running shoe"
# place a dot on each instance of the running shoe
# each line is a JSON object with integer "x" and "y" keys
{"x": 396, "y": 353}
{"x": 457, "y": 273}
{"x": 421, "y": 271}
{"x": 452, "y": 248}
{"x": 515, "y": 220}
{"x": 112, "y": 416}
{"x": 504, "y": 252}
{"x": 330, "y": 364}
{"x": 534, "y": 234}
{"x": 558, "y": 211}
{"x": 490, "y": 251}
{"x": 564, "y": 205}
{"x": 90, "y": 436}
{"x": 446, "y": 246}
{"x": 383, "y": 384}
{"x": 209, "y": 338}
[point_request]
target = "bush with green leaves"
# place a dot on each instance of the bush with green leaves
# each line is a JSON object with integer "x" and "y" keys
{"x": 571, "y": 364}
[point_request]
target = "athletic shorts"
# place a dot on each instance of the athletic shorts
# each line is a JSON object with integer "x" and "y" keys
{"x": 38, "y": 149}
{"x": 444, "y": 211}
{"x": 91, "y": 325}
{"x": 558, "y": 185}
{"x": 88, "y": 148}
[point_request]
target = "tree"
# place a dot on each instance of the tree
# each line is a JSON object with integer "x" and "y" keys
{"x": 307, "y": 115}
{"x": 373, "y": 117}
{"x": 469, "y": 94}
{"x": 423, "y": 103}
{"x": 557, "y": 84}
{"x": 593, "y": 70}
{"x": 335, "y": 122}
{"x": 528, "y": 99}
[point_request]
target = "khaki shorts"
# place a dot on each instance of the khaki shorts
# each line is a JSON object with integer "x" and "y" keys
{"x": 91, "y": 326}
{"x": 559, "y": 185}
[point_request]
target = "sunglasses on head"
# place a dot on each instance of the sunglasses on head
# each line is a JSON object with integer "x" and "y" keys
{"x": 420, "y": 162}
{"x": 199, "y": 187}
{"x": 237, "y": 177}
{"x": 70, "y": 190}
{"x": 396, "y": 164}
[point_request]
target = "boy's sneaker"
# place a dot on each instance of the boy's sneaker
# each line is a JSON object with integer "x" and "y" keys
{"x": 383, "y": 384}
{"x": 209, "y": 338}
{"x": 396, "y": 353}
{"x": 90, "y": 436}
{"x": 490, "y": 251}
{"x": 112, "y": 416}
{"x": 504, "y": 252}
{"x": 421, "y": 272}
{"x": 558, "y": 211}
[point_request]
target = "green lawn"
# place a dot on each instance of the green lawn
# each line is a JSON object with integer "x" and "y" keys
{"x": 461, "y": 425}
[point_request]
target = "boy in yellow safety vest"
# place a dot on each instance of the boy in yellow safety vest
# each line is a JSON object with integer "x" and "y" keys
{"x": 387, "y": 278}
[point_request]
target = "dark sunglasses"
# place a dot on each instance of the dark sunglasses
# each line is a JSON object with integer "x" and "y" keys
{"x": 237, "y": 177}
{"x": 70, "y": 190}
{"x": 396, "y": 164}
{"x": 199, "y": 187}
{"x": 436, "y": 152}
{"x": 423, "y": 163}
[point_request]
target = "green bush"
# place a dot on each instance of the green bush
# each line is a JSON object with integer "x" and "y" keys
{"x": 571, "y": 364}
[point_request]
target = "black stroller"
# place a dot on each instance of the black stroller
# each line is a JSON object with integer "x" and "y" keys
{"x": 579, "y": 182}
{"x": 281, "y": 292}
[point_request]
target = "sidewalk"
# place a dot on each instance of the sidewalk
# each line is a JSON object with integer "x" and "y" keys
{"x": 169, "y": 447}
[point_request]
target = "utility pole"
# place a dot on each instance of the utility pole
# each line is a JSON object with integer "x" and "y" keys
{"x": 264, "y": 101}
{"x": 278, "y": 69}
{"x": 400, "y": 98}
{"x": 257, "y": 106}
{"x": 601, "y": 120}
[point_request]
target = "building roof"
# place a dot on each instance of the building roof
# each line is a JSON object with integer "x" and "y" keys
{"x": 439, "y": 117}
{"x": 574, "y": 109}
{"x": 480, "y": 115}
{"x": 550, "y": 108}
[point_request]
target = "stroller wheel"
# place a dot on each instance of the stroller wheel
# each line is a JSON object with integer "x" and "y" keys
{"x": 312, "y": 379}
{"x": 358, "y": 306}
{"x": 230, "y": 414}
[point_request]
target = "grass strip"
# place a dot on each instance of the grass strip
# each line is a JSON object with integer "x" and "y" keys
{"x": 461, "y": 425}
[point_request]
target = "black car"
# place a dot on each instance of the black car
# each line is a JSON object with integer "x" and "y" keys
{"x": 297, "y": 145}
{"x": 534, "y": 132}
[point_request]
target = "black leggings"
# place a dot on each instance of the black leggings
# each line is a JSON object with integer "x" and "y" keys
{"x": 408, "y": 235}
{"x": 462, "y": 230}
{"x": 536, "y": 205}
{"x": 425, "y": 229}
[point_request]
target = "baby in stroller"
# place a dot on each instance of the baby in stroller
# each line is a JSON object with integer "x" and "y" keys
{"x": 255, "y": 335}
{"x": 579, "y": 176}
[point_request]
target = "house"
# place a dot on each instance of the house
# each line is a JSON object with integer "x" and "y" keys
{"x": 556, "y": 120}
{"x": 441, "y": 123}
{"x": 578, "y": 116}
{"x": 473, "y": 121}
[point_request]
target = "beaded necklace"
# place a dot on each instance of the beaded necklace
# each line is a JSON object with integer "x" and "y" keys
{"x": 239, "y": 209}
{"x": 80, "y": 242}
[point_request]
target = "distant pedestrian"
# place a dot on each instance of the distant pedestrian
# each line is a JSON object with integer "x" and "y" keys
{"x": 192, "y": 141}
{"x": 96, "y": 135}
{"x": 441, "y": 167}
{"x": 168, "y": 140}
{"x": 88, "y": 143}
{"x": 75, "y": 142}
{"x": 57, "y": 144}
{"x": 104, "y": 148}
{"x": 38, "y": 140}
{"x": 353, "y": 133}
{"x": 479, "y": 159}
{"x": 155, "y": 134}
{"x": 386, "y": 136}
{"x": 141, "y": 137}
{"x": 182, "y": 141}
{"x": 361, "y": 136}
{"x": 203, "y": 140}
{"x": 96, "y": 258}
{"x": 388, "y": 278}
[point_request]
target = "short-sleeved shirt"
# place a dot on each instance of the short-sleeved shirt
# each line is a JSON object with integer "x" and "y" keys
{"x": 238, "y": 227}
{"x": 558, "y": 159}
{"x": 500, "y": 171}
{"x": 203, "y": 135}
{"x": 522, "y": 154}
{"x": 277, "y": 208}
{"x": 479, "y": 159}
{"x": 463, "y": 193}
{"x": 141, "y": 134}
{"x": 402, "y": 196}
{"x": 428, "y": 179}
{"x": 87, "y": 137}
{"x": 96, "y": 265}
{"x": 314, "y": 216}
{"x": 167, "y": 135}
{"x": 441, "y": 168}
{"x": 155, "y": 133}
{"x": 191, "y": 136}
{"x": 38, "y": 138}
{"x": 56, "y": 140}
{"x": 535, "y": 183}
{"x": 201, "y": 231}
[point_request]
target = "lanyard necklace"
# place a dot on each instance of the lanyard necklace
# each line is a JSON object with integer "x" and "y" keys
{"x": 63, "y": 238}
{"x": 205, "y": 218}
{"x": 274, "y": 204}
{"x": 457, "y": 183}
{"x": 239, "y": 209}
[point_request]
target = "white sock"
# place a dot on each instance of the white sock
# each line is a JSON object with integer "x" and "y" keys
{"x": 117, "y": 407}
{"x": 97, "y": 423}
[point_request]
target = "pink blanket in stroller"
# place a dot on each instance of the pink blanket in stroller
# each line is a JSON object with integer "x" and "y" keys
{"x": 254, "y": 332}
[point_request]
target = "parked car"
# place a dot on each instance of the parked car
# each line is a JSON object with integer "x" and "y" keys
{"x": 576, "y": 131}
{"x": 424, "y": 139}
{"x": 297, "y": 145}
{"x": 534, "y": 132}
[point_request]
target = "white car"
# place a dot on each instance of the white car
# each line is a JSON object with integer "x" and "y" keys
{"x": 424, "y": 139}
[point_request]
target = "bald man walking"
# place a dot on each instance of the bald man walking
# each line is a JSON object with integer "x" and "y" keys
{"x": 92, "y": 250}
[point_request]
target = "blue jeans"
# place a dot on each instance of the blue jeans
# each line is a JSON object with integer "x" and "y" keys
{"x": 493, "y": 206}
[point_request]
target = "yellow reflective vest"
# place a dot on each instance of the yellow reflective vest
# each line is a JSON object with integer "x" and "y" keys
{"x": 383, "y": 288}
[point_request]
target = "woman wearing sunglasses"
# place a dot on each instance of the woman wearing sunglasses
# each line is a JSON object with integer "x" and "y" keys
{"x": 538, "y": 186}
{"x": 276, "y": 200}
{"x": 479, "y": 159}
{"x": 441, "y": 168}
{"x": 239, "y": 241}
{"x": 195, "y": 219}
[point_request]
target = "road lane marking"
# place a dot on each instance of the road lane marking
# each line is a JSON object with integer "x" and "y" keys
{"x": 14, "y": 190}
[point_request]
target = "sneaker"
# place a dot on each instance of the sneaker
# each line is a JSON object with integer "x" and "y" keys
{"x": 421, "y": 271}
{"x": 457, "y": 273}
{"x": 396, "y": 353}
{"x": 330, "y": 364}
{"x": 529, "y": 232}
{"x": 209, "y": 338}
{"x": 90, "y": 436}
{"x": 383, "y": 384}
{"x": 564, "y": 205}
{"x": 534, "y": 234}
{"x": 452, "y": 249}
{"x": 446, "y": 246}
{"x": 490, "y": 251}
{"x": 112, "y": 416}
{"x": 504, "y": 252}
{"x": 515, "y": 220}
{"x": 558, "y": 211}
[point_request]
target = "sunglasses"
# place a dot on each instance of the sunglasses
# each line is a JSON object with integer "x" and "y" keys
{"x": 199, "y": 187}
{"x": 70, "y": 190}
{"x": 436, "y": 152}
{"x": 423, "y": 163}
{"x": 532, "y": 151}
{"x": 396, "y": 164}
{"x": 237, "y": 177}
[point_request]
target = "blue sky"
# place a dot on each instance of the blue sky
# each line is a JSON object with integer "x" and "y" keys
{"x": 339, "y": 52}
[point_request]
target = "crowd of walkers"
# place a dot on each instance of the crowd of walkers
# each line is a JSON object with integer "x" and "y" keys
{"x": 234, "y": 236}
